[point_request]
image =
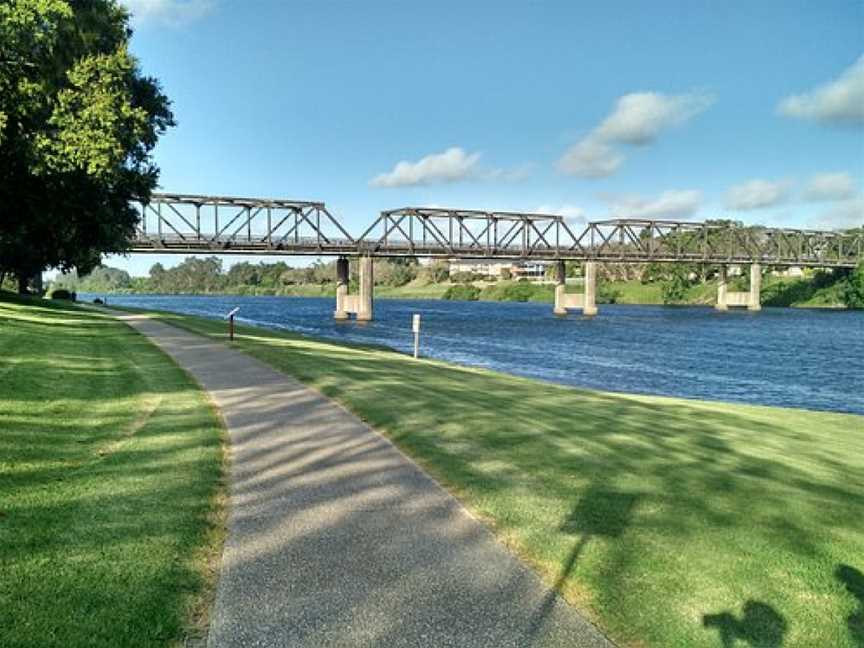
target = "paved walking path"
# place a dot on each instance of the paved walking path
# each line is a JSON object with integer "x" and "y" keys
{"x": 335, "y": 538}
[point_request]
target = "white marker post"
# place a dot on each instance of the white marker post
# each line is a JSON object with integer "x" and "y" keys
{"x": 415, "y": 326}
{"x": 230, "y": 317}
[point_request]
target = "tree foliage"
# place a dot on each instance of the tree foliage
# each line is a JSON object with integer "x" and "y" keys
{"x": 674, "y": 288}
{"x": 78, "y": 123}
{"x": 102, "y": 279}
{"x": 206, "y": 275}
{"x": 853, "y": 290}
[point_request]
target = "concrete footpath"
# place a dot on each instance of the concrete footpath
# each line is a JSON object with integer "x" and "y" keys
{"x": 335, "y": 538}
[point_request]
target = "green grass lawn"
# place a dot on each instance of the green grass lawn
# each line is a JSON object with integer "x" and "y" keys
{"x": 671, "y": 522}
{"x": 110, "y": 474}
{"x": 413, "y": 290}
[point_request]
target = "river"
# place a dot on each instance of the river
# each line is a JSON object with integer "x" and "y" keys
{"x": 806, "y": 358}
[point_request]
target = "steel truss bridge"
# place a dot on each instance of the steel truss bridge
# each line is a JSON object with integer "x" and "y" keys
{"x": 180, "y": 223}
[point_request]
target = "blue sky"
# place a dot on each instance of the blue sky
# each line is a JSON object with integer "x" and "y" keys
{"x": 690, "y": 110}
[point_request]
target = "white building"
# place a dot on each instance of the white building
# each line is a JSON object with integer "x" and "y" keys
{"x": 517, "y": 270}
{"x": 483, "y": 268}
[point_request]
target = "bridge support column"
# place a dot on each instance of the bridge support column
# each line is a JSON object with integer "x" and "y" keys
{"x": 560, "y": 289}
{"x": 364, "y": 308}
{"x": 755, "y": 301}
{"x": 589, "y": 305}
{"x": 721, "y": 290}
{"x": 341, "y": 288}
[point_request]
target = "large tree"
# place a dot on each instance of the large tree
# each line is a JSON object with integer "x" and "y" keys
{"x": 78, "y": 123}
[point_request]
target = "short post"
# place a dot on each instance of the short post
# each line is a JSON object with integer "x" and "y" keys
{"x": 231, "y": 323}
{"x": 415, "y": 326}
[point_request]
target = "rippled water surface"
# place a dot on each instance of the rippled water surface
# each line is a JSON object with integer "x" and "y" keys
{"x": 789, "y": 357}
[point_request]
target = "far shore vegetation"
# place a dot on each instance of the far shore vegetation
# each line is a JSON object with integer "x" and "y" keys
{"x": 623, "y": 284}
{"x": 671, "y": 522}
{"x": 111, "y": 485}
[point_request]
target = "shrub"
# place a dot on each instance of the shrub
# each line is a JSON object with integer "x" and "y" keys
{"x": 462, "y": 292}
{"x": 521, "y": 291}
{"x": 465, "y": 277}
{"x": 674, "y": 289}
{"x": 62, "y": 293}
{"x": 607, "y": 295}
{"x": 853, "y": 288}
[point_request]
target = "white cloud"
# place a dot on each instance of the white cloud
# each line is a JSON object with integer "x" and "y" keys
{"x": 516, "y": 174}
{"x": 168, "y": 12}
{"x": 829, "y": 186}
{"x": 640, "y": 117}
{"x": 757, "y": 194}
{"x": 637, "y": 119}
{"x": 840, "y": 101}
{"x": 571, "y": 213}
{"x": 844, "y": 215}
{"x": 675, "y": 203}
{"x": 590, "y": 158}
{"x": 452, "y": 165}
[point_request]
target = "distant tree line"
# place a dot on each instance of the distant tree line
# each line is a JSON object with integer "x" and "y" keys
{"x": 207, "y": 275}
{"x": 677, "y": 281}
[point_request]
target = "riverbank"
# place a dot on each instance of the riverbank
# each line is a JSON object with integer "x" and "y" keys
{"x": 110, "y": 485}
{"x": 776, "y": 291}
{"x": 673, "y": 522}
{"x": 649, "y": 349}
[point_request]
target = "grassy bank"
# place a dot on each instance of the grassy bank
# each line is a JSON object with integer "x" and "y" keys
{"x": 777, "y": 291}
{"x": 672, "y": 522}
{"x": 110, "y": 473}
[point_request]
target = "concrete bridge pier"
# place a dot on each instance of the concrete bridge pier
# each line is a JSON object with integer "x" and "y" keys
{"x": 360, "y": 305}
{"x": 722, "y": 304}
{"x": 587, "y": 301}
{"x": 755, "y": 301}
{"x": 560, "y": 289}
{"x": 750, "y": 299}
{"x": 589, "y": 306}
{"x": 364, "y": 307}
{"x": 341, "y": 289}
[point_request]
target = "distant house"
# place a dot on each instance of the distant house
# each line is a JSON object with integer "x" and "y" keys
{"x": 482, "y": 268}
{"x": 791, "y": 271}
{"x": 528, "y": 270}
{"x": 497, "y": 269}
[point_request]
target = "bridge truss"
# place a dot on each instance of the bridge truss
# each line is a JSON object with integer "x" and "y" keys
{"x": 185, "y": 223}
{"x": 191, "y": 223}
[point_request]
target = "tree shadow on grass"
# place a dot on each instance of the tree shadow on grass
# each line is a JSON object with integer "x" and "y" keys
{"x": 854, "y": 582}
{"x": 760, "y": 625}
{"x": 696, "y": 466}
{"x": 600, "y": 512}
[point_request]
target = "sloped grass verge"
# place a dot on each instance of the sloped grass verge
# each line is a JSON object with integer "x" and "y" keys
{"x": 111, "y": 471}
